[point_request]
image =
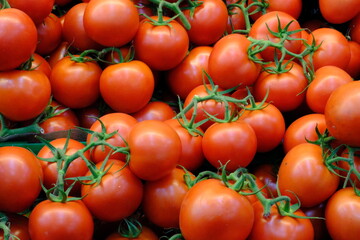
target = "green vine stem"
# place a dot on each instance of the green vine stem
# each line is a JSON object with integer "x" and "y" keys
{"x": 5, "y": 227}
{"x": 4, "y": 4}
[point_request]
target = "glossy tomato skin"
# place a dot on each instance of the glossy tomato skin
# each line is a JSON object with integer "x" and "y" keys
{"x": 111, "y": 22}
{"x": 336, "y": 15}
{"x": 127, "y": 87}
{"x": 326, "y": 80}
{"x": 212, "y": 211}
{"x": 39, "y": 63}
{"x": 30, "y": 90}
{"x": 342, "y": 114}
{"x": 352, "y": 68}
{"x": 161, "y": 47}
{"x": 37, "y": 10}
{"x": 155, "y": 110}
{"x": 229, "y": 65}
{"x": 75, "y": 84}
{"x": 60, "y": 52}
{"x": 291, "y": 7}
{"x": 57, "y": 123}
{"x": 58, "y": 221}
{"x": 303, "y": 171}
{"x": 49, "y": 35}
{"x": 355, "y": 29}
{"x": 146, "y": 234}
{"x": 18, "y": 227}
{"x": 155, "y": 149}
{"x": 236, "y": 19}
{"x": 15, "y": 162}
{"x": 18, "y": 46}
{"x": 233, "y": 143}
{"x": 277, "y": 227}
{"x": 117, "y": 196}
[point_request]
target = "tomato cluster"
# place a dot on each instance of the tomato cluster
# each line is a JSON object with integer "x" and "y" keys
{"x": 165, "y": 119}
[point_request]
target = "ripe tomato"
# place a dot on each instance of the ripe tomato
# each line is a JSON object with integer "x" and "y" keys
{"x": 57, "y": 123}
{"x": 189, "y": 73}
{"x": 345, "y": 165}
{"x": 355, "y": 28}
{"x": 342, "y": 114}
{"x": 352, "y": 68}
{"x": 210, "y": 210}
{"x": 291, "y": 7}
{"x": 208, "y": 22}
{"x": 18, "y": 227}
{"x": 49, "y": 35}
{"x": 302, "y": 172}
{"x": 117, "y": 196}
{"x": 59, "y": 53}
{"x": 278, "y": 227}
{"x": 68, "y": 113}
{"x": 233, "y": 143}
{"x": 146, "y": 234}
{"x": 37, "y": 10}
{"x": 18, "y": 36}
{"x": 111, "y": 22}
{"x": 162, "y": 47}
{"x": 59, "y": 221}
{"x": 155, "y": 111}
{"x": 127, "y": 87}
{"x": 236, "y": 19}
{"x": 40, "y": 63}
{"x": 320, "y": 231}
{"x": 15, "y": 162}
{"x": 30, "y": 90}
{"x": 229, "y": 65}
{"x": 267, "y": 173}
{"x": 342, "y": 216}
{"x": 326, "y": 80}
{"x": 155, "y": 149}
{"x": 334, "y": 14}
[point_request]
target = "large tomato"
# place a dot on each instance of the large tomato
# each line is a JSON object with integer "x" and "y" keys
{"x": 30, "y": 90}
{"x": 18, "y": 36}
{"x": 210, "y": 210}
{"x": 334, "y": 14}
{"x": 49, "y": 35}
{"x": 37, "y": 10}
{"x": 342, "y": 113}
{"x": 22, "y": 176}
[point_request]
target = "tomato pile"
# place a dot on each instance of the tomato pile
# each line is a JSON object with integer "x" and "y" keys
{"x": 165, "y": 119}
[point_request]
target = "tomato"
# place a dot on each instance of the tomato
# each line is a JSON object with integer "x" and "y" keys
{"x": 117, "y": 196}
{"x": 236, "y": 19}
{"x": 277, "y": 227}
{"x": 120, "y": 122}
{"x": 40, "y": 63}
{"x": 326, "y": 80}
{"x": 18, "y": 36}
{"x": 30, "y": 90}
{"x": 155, "y": 111}
{"x": 55, "y": 220}
{"x": 342, "y": 216}
{"x": 68, "y": 113}
{"x": 267, "y": 173}
{"x": 59, "y": 53}
{"x": 49, "y": 35}
{"x": 189, "y": 73}
{"x": 291, "y": 7}
{"x": 208, "y": 22}
{"x": 161, "y": 47}
{"x": 352, "y": 68}
{"x": 57, "y": 123}
{"x": 18, "y": 227}
{"x": 320, "y": 231}
{"x": 334, "y": 49}
{"x": 345, "y": 165}
{"x": 77, "y": 168}
{"x": 303, "y": 171}
{"x": 334, "y": 14}
{"x": 210, "y": 210}
{"x": 303, "y": 129}
{"x": 37, "y": 10}
{"x": 155, "y": 149}
{"x": 87, "y": 116}
{"x": 127, "y": 87}
{"x": 342, "y": 114}
{"x": 73, "y": 29}
{"x": 15, "y": 162}
{"x": 62, "y": 2}
{"x": 233, "y": 143}
{"x": 75, "y": 84}
{"x": 355, "y": 28}
{"x": 285, "y": 90}
{"x": 229, "y": 65}
{"x": 271, "y": 22}
{"x": 268, "y": 124}
{"x": 146, "y": 234}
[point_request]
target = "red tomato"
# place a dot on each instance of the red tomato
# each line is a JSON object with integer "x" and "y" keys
{"x": 291, "y": 7}
{"x": 353, "y": 67}
{"x": 236, "y": 19}
{"x": 342, "y": 114}
{"x": 189, "y": 73}
{"x": 278, "y": 227}
{"x": 40, "y": 63}
{"x": 267, "y": 173}
{"x": 117, "y": 196}
{"x": 18, "y": 227}
{"x": 271, "y": 22}
{"x": 57, "y": 123}
{"x": 59, "y": 221}
{"x": 333, "y": 14}
{"x": 49, "y": 35}
{"x": 345, "y": 165}
{"x": 303, "y": 171}
{"x": 37, "y": 10}
{"x": 268, "y": 124}
{"x": 18, "y": 36}
{"x": 320, "y": 231}
{"x": 15, "y": 162}
{"x": 30, "y": 90}
{"x": 68, "y": 113}
{"x": 233, "y": 143}
{"x": 87, "y": 116}
{"x": 111, "y": 22}
{"x": 208, "y": 22}
{"x": 285, "y": 90}
{"x": 342, "y": 216}
{"x": 303, "y": 129}
{"x": 77, "y": 168}
{"x": 59, "y": 53}
{"x": 155, "y": 149}
{"x": 210, "y": 210}
{"x": 162, "y": 47}
{"x": 355, "y": 28}
{"x": 146, "y": 234}
{"x": 155, "y": 111}
{"x": 75, "y": 84}
{"x": 127, "y": 87}
{"x": 229, "y": 65}
{"x": 120, "y": 122}
{"x": 326, "y": 80}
